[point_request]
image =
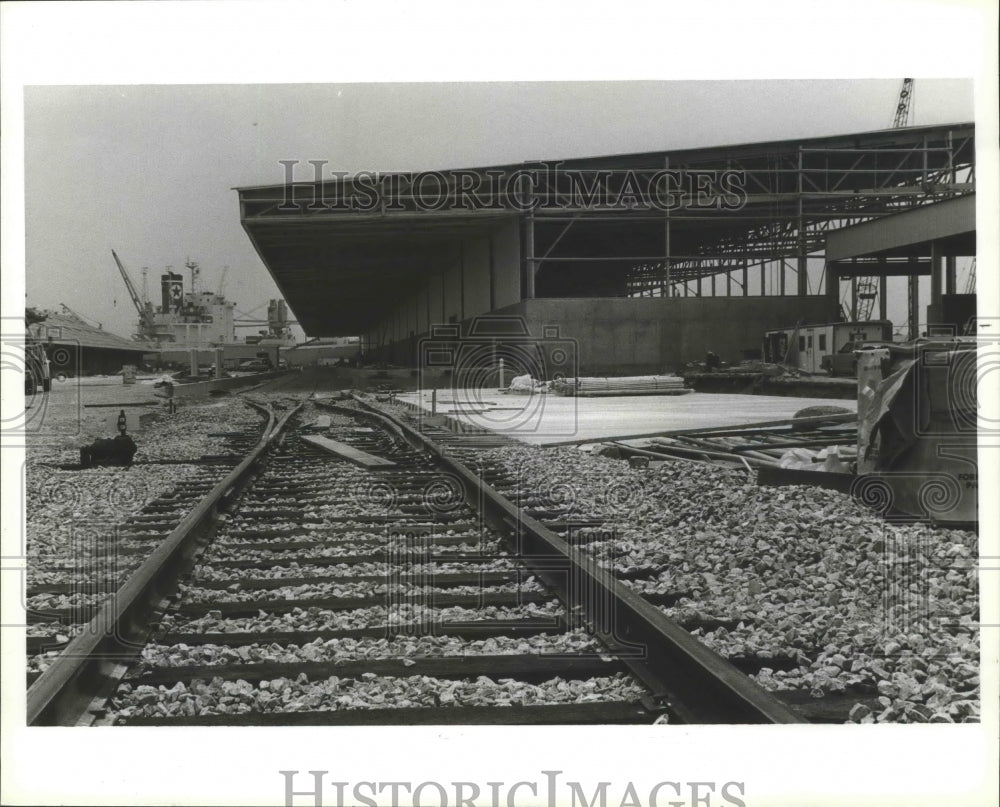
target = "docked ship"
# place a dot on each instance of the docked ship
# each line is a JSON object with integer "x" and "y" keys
{"x": 202, "y": 320}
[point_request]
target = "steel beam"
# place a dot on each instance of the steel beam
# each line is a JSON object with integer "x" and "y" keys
{"x": 880, "y": 267}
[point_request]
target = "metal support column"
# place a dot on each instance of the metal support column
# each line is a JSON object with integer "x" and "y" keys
{"x": 802, "y": 279}
{"x": 427, "y": 280}
{"x": 936, "y": 277}
{"x": 832, "y": 284}
{"x": 950, "y": 275}
{"x": 883, "y": 297}
{"x": 461, "y": 279}
{"x": 913, "y": 302}
{"x": 416, "y": 317}
{"x": 493, "y": 280}
{"x": 529, "y": 257}
{"x": 666, "y": 235}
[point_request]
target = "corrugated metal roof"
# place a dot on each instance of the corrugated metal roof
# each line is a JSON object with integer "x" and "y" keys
{"x": 65, "y": 329}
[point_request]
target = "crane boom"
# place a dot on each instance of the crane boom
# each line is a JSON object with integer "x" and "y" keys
{"x": 145, "y": 323}
{"x": 136, "y": 301}
{"x": 903, "y": 105}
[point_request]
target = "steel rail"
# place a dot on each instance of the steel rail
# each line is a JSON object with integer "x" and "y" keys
{"x": 691, "y": 680}
{"x": 734, "y": 430}
{"x": 63, "y": 694}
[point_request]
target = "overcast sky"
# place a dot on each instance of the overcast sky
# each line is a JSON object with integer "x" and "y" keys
{"x": 148, "y": 170}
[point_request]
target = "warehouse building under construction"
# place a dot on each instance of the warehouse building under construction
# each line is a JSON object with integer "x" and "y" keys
{"x": 643, "y": 260}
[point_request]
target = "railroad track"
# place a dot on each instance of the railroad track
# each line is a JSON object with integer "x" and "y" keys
{"x": 68, "y": 591}
{"x": 394, "y": 586}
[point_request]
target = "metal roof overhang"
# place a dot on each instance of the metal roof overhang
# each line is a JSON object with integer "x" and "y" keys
{"x": 949, "y": 227}
{"x": 340, "y": 273}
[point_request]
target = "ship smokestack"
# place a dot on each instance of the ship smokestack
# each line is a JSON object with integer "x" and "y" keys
{"x": 172, "y": 289}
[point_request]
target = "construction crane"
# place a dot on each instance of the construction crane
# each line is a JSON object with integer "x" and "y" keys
{"x": 867, "y": 290}
{"x": 903, "y": 105}
{"x": 146, "y": 326}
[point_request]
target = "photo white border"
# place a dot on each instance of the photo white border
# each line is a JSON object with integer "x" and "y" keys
{"x": 277, "y": 42}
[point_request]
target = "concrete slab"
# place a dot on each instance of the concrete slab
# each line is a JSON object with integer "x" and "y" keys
{"x": 543, "y": 418}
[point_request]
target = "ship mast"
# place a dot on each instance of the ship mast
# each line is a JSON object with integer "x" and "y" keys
{"x": 195, "y": 271}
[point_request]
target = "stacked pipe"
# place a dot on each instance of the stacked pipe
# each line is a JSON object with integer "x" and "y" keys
{"x": 628, "y": 385}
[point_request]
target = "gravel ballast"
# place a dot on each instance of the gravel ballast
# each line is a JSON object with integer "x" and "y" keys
{"x": 365, "y": 692}
{"x": 858, "y": 605}
{"x": 77, "y": 525}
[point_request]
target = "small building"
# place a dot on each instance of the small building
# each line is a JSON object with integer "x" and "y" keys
{"x": 75, "y": 348}
{"x": 804, "y": 346}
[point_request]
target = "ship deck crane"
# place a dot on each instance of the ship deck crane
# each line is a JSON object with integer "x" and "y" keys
{"x": 145, "y": 315}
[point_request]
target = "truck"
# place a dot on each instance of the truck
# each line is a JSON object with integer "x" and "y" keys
{"x": 804, "y": 346}
{"x": 845, "y": 360}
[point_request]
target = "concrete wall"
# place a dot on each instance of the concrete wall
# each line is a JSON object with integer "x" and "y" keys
{"x": 622, "y": 336}
{"x": 619, "y": 336}
{"x": 482, "y": 273}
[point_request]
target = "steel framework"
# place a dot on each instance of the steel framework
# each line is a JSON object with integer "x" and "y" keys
{"x": 803, "y": 196}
